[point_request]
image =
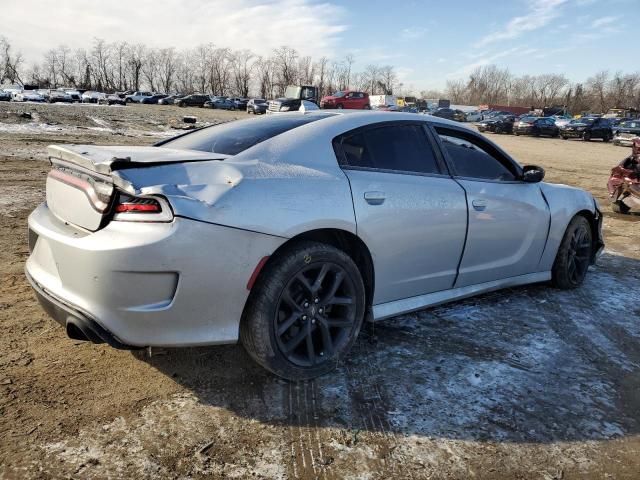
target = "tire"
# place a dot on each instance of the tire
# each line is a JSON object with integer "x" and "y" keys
{"x": 619, "y": 207}
{"x": 267, "y": 309}
{"x": 606, "y": 138}
{"x": 128, "y": 100}
{"x": 181, "y": 104}
{"x": 339, "y": 106}
{"x": 574, "y": 255}
{"x": 586, "y": 136}
{"x": 367, "y": 107}
{"x": 516, "y": 134}
{"x": 232, "y": 108}
{"x": 565, "y": 137}
{"x": 498, "y": 129}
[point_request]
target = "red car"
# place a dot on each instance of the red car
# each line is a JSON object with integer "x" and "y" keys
{"x": 346, "y": 99}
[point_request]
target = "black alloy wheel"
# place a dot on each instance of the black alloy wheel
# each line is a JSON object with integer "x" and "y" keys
{"x": 316, "y": 314}
{"x": 574, "y": 254}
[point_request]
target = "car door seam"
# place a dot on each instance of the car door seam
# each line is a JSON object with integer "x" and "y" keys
{"x": 546, "y": 241}
{"x": 466, "y": 234}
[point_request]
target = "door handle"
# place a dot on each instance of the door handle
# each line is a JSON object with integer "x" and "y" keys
{"x": 374, "y": 198}
{"x": 479, "y": 204}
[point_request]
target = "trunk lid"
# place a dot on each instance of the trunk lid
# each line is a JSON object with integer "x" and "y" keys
{"x": 81, "y": 187}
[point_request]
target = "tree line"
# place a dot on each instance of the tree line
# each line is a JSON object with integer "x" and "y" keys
{"x": 493, "y": 85}
{"x": 207, "y": 68}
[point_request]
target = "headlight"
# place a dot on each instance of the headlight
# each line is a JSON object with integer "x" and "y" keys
{"x": 284, "y": 108}
{"x": 580, "y": 128}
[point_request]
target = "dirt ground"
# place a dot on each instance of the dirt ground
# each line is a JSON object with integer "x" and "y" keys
{"x": 526, "y": 383}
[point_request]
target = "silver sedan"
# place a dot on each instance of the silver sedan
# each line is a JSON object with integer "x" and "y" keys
{"x": 287, "y": 232}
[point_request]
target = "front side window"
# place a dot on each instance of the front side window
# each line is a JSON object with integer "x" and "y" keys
{"x": 402, "y": 148}
{"x": 472, "y": 159}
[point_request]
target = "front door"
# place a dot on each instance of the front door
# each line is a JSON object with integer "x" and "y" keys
{"x": 508, "y": 219}
{"x": 410, "y": 214}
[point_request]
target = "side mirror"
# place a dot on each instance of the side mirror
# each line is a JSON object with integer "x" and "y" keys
{"x": 532, "y": 173}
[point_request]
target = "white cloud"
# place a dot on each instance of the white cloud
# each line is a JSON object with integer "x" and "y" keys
{"x": 540, "y": 13}
{"x": 412, "y": 33}
{"x": 311, "y": 27}
{"x": 604, "y": 22}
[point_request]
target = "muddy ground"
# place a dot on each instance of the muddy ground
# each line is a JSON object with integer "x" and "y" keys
{"x": 526, "y": 383}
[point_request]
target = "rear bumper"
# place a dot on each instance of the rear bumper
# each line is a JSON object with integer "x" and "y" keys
{"x": 146, "y": 284}
{"x": 78, "y": 325}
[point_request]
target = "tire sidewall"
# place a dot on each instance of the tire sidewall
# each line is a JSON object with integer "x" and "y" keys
{"x": 257, "y": 329}
{"x": 559, "y": 271}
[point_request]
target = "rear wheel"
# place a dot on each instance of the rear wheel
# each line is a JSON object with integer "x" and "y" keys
{"x": 586, "y": 136}
{"x": 606, "y": 137}
{"x": 305, "y": 311}
{"x": 339, "y": 106}
{"x": 574, "y": 255}
{"x": 564, "y": 137}
{"x": 498, "y": 129}
{"x": 367, "y": 107}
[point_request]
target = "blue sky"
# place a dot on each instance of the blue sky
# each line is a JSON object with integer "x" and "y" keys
{"x": 428, "y": 42}
{"x": 437, "y": 40}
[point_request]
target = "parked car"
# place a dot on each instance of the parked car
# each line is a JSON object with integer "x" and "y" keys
{"x": 561, "y": 120}
{"x": 57, "y": 96}
{"x": 5, "y": 96}
{"x": 627, "y": 132}
{"x": 136, "y": 97}
{"x": 75, "y": 95}
{"x": 257, "y": 106}
{"x": 293, "y": 98}
{"x": 92, "y": 97}
{"x": 240, "y": 102}
{"x": 624, "y": 182}
{"x": 450, "y": 114}
{"x": 113, "y": 99}
{"x": 588, "y": 128}
{"x": 348, "y": 99}
{"x": 536, "y": 126}
{"x": 193, "y": 100}
{"x": 500, "y": 124}
{"x": 223, "y": 103}
{"x": 154, "y": 99}
{"x": 170, "y": 100}
{"x": 27, "y": 96}
{"x": 474, "y": 116}
{"x": 289, "y": 273}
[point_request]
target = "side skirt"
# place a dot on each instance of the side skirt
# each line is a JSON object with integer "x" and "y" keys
{"x": 406, "y": 305}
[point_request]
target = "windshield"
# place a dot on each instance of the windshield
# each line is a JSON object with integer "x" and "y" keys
{"x": 292, "y": 92}
{"x": 235, "y": 137}
{"x": 339, "y": 94}
{"x": 580, "y": 121}
{"x": 528, "y": 119}
{"x": 634, "y": 124}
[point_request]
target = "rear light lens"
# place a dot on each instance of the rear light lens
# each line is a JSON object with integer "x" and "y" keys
{"x": 130, "y": 208}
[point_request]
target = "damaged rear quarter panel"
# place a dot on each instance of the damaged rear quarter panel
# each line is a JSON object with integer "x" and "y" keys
{"x": 284, "y": 186}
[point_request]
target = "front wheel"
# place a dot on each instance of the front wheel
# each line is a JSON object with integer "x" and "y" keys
{"x": 498, "y": 129}
{"x": 339, "y": 106}
{"x": 586, "y": 136}
{"x": 574, "y": 255}
{"x": 304, "y": 312}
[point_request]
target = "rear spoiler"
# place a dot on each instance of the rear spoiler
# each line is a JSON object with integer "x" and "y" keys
{"x": 107, "y": 159}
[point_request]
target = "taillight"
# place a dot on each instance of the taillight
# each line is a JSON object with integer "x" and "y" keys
{"x": 141, "y": 209}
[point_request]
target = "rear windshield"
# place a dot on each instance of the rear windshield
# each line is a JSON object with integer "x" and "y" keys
{"x": 235, "y": 137}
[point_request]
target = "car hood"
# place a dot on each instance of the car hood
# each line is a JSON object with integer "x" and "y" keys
{"x": 628, "y": 130}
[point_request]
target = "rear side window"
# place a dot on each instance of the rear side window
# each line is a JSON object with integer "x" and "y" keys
{"x": 471, "y": 158}
{"x": 402, "y": 148}
{"x": 235, "y": 137}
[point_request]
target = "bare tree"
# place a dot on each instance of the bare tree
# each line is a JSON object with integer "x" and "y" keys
{"x": 243, "y": 64}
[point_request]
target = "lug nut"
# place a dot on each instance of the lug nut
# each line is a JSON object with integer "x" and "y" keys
{"x": 304, "y": 317}
{"x": 306, "y": 304}
{"x": 313, "y": 320}
{"x": 320, "y": 310}
{"x": 317, "y": 300}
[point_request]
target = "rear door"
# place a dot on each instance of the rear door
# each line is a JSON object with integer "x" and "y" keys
{"x": 508, "y": 219}
{"x": 409, "y": 212}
